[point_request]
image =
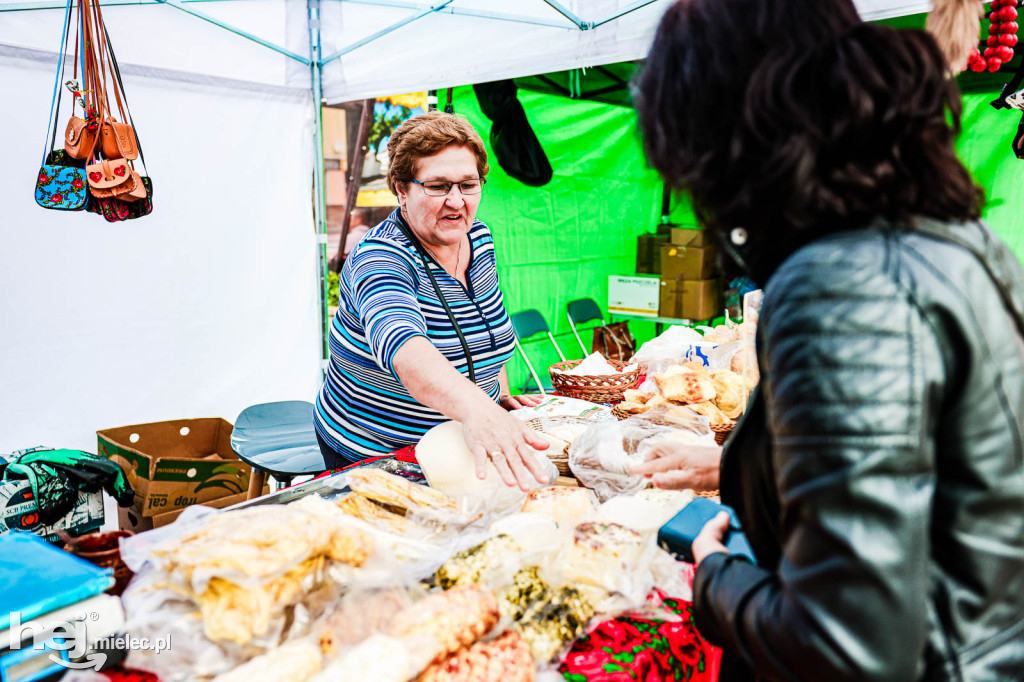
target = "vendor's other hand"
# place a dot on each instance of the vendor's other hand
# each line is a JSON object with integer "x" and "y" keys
{"x": 679, "y": 466}
{"x": 496, "y": 435}
{"x": 711, "y": 537}
{"x": 516, "y": 402}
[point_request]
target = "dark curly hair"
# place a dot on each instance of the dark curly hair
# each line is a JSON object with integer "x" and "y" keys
{"x": 794, "y": 118}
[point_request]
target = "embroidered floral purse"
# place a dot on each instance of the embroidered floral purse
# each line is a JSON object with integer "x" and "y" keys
{"x": 61, "y": 183}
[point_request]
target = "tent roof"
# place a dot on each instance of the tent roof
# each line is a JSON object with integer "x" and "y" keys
{"x": 368, "y": 47}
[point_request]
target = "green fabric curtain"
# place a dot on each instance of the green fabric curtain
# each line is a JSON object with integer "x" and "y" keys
{"x": 561, "y": 241}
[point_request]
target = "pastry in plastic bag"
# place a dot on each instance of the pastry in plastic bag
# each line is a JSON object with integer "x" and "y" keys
{"x": 711, "y": 411}
{"x": 366, "y": 509}
{"x": 566, "y": 505}
{"x": 549, "y": 625}
{"x": 291, "y": 662}
{"x": 685, "y": 387}
{"x": 504, "y": 659}
{"x": 471, "y": 565}
{"x": 395, "y": 491}
{"x": 603, "y": 554}
{"x": 378, "y": 659}
{"x": 730, "y": 392}
{"x": 454, "y": 618}
{"x": 526, "y": 588}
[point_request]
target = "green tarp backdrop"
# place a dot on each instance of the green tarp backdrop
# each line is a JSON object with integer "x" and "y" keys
{"x": 561, "y": 241}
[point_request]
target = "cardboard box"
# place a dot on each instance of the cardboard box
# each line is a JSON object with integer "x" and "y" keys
{"x": 633, "y": 295}
{"x": 682, "y": 236}
{"x": 129, "y": 518}
{"x": 689, "y": 262}
{"x": 175, "y": 464}
{"x": 691, "y": 299}
{"x": 648, "y": 253}
{"x": 19, "y": 510}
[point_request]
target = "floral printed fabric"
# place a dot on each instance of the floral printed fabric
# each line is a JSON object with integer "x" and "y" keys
{"x": 638, "y": 650}
{"x": 61, "y": 187}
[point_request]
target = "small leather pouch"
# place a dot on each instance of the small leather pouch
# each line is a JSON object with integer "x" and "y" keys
{"x": 78, "y": 138}
{"x": 118, "y": 140}
{"x": 110, "y": 178}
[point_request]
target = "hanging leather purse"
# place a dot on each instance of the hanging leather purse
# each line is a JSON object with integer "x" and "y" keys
{"x": 79, "y": 137}
{"x": 139, "y": 201}
{"x": 118, "y": 139}
{"x": 80, "y": 133}
{"x": 110, "y": 178}
{"x": 61, "y": 183}
{"x": 614, "y": 341}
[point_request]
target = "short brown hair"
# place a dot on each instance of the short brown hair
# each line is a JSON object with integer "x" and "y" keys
{"x": 426, "y": 135}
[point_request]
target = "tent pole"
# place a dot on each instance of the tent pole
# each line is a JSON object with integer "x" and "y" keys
{"x": 383, "y": 32}
{"x": 245, "y": 34}
{"x": 355, "y": 177}
{"x": 319, "y": 202}
{"x": 622, "y": 12}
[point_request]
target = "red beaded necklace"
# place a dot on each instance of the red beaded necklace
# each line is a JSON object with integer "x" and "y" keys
{"x": 1001, "y": 40}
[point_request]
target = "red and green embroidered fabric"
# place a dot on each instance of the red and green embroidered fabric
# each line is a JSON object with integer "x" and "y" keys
{"x": 638, "y": 650}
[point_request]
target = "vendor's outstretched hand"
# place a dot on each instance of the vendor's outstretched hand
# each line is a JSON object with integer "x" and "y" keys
{"x": 679, "y": 466}
{"x": 515, "y": 402}
{"x": 494, "y": 434}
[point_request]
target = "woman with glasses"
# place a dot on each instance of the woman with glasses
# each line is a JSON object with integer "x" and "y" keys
{"x": 421, "y": 335}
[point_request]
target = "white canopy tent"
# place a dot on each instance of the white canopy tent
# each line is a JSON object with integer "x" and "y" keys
{"x": 213, "y": 302}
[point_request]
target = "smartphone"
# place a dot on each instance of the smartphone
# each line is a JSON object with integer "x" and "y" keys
{"x": 676, "y": 537}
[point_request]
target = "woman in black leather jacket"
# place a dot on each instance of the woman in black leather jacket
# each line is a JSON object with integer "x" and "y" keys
{"x": 879, "y": 469}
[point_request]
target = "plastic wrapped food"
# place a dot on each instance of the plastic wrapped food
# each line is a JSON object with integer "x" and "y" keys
{"x": 526, "y": 588}
{"x": 604, "y": 555}
{"x": 601, "y": 457}
{"x": 504, "y": 659}
{"x": 395, "y": 491}
{"x": 366, "y": 509}
{"x": 567, "y": 506}
{"x": 243, "y": 567}
{"x": 378, "y": 658}
{"x": 454, "y": 618}
{"x": 472, "y": 565}
{"x": 291, "y": 662}
{"x": 549, "y": 625}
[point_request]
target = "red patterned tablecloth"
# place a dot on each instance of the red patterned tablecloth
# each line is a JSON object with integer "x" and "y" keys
{"x": 638, "y": 650}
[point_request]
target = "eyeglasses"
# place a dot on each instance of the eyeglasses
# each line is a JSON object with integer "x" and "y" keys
{"x": 441, "y": 189}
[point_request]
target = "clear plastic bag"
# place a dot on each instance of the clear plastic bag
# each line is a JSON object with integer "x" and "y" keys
{"x": 601, "y": 457}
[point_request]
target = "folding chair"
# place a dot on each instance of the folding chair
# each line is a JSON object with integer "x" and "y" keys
{"x": 277, "y": 439}
{"x": 527, "y": 323}
{"x": 583, "y": 310}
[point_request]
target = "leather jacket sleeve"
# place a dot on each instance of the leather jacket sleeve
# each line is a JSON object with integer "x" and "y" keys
{"x": 853, "y": 379}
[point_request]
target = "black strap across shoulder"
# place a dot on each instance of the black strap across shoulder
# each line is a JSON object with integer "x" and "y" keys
{"x": 440, "y": 296}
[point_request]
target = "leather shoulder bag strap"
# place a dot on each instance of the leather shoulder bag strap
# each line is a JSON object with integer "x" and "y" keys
{"x": 120, "y": 86}
{"x": 444, "y": 302}
{"x": 51, "y": 131}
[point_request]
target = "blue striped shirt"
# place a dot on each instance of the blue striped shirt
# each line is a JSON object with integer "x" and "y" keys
{"x": 385, "y": 299}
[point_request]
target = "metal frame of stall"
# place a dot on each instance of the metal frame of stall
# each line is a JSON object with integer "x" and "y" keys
{"x": 316, "y": 63}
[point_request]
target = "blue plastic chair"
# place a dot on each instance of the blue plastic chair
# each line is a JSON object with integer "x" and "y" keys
{"x": 580, "y": 311}
{"x": 277, "y": 439}
{"x": 527, "y": 323}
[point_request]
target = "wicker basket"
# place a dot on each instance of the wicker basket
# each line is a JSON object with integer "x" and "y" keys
{"x": 559, "y": 459}
{"x": 607, "y": 388}
{"x": 620, "y": 413}
{"x": 721, "y": 431}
